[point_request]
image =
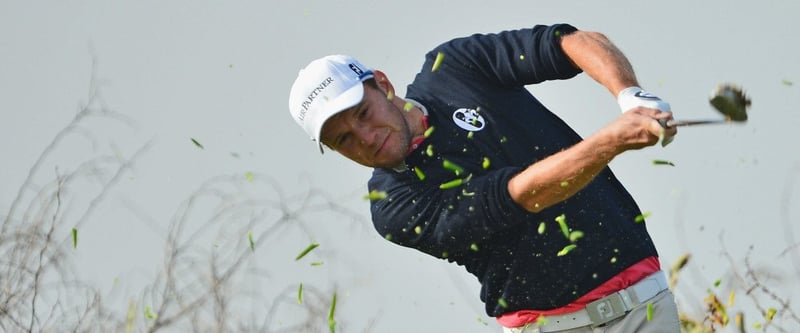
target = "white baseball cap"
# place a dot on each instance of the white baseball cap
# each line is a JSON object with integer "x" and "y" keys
{"x": 325, "y": 87}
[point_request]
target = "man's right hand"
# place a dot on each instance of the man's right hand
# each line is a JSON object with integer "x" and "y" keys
{"x": 639, "y": 127}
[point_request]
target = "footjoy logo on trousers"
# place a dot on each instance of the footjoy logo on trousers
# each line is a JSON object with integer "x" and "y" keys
{"x": 469, "y": 119}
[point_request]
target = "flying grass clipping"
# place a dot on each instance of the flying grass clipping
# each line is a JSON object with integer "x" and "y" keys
{"x": 308, "y": 249}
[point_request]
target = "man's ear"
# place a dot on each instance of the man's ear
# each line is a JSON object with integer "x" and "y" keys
{"x": 383, "y": 82}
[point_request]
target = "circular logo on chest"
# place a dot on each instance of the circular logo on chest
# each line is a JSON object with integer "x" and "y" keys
{"x": 469, "y": 119}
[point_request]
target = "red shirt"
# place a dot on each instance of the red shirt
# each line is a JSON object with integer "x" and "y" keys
{"x": 624, "y": 279}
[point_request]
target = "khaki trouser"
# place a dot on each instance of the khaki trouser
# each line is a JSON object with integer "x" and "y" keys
{"x": 664, "y": 320}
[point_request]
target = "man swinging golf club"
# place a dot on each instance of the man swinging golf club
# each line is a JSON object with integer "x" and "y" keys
{"x": 476, "y": 171}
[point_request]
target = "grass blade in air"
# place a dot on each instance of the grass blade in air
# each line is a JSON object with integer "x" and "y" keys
{"x": 566, "y": 250}
{"x": 331, "y": 321}
{"x": 451, "y": 184}
{"x": 438, "y": 61}
{"x": 306, "y": 251}
{"x": 196, "y": 143}
{"x": 420, "y": 174}
{"x": 562, "y": 222}
{"x": 300, "y": 294}
{"x": 429, "y": 131}
{"x": 502, "y": 302}
{"x": 455, "y": 168}
{"x": 375, "y": 195}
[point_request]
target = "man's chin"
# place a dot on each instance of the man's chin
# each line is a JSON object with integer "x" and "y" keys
{"x": 390, "y": 164}
{"x": 389, "y": 160}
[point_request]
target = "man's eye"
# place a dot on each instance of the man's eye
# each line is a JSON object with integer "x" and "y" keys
{"x": 343, "y": 140}
{"x": 362, "y": 114}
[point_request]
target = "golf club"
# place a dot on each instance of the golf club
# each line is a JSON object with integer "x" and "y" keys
{"x": 727, "y": 99}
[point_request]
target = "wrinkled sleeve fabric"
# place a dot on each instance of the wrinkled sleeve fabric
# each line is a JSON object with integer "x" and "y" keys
{"x": 512, "y": 58}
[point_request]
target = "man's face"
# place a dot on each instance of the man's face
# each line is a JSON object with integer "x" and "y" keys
{"x": 373, "y": 133}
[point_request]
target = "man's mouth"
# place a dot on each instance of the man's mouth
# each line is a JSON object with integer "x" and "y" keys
{"x": 383, "y": 144}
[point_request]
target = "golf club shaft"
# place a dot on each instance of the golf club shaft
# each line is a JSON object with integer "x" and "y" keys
{"x": 676, "y": 123}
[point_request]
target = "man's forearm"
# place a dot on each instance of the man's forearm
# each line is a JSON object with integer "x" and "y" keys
{"x": 560, "y": 176}
{"x": 593, "y": 53}
{"x": 563, "y": 174}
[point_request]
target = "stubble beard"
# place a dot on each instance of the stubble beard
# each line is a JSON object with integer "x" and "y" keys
{"x": 403, "y": 136}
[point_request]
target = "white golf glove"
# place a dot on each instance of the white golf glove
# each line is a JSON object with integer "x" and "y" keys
{"x": 632, "y": 97}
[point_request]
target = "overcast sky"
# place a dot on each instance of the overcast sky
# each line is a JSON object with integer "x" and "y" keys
{"x": 220, "y": 72}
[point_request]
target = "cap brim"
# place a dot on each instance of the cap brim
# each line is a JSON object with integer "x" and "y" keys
{"x": 344, "y": 101}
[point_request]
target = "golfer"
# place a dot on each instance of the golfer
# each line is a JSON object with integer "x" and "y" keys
{"x": 471, "y": 168}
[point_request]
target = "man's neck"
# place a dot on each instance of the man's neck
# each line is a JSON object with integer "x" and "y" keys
{"x": 417, "y": 118}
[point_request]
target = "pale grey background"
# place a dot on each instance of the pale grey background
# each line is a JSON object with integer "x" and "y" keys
{"x": 220, "y": 72}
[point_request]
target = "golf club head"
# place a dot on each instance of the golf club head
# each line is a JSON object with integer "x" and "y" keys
{"x": 731, "y": 101}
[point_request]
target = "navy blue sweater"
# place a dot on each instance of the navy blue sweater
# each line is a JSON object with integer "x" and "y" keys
{"x": 487, "y": 124}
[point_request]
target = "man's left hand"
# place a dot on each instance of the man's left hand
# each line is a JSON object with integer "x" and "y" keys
{"x": 633, "y": 97}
